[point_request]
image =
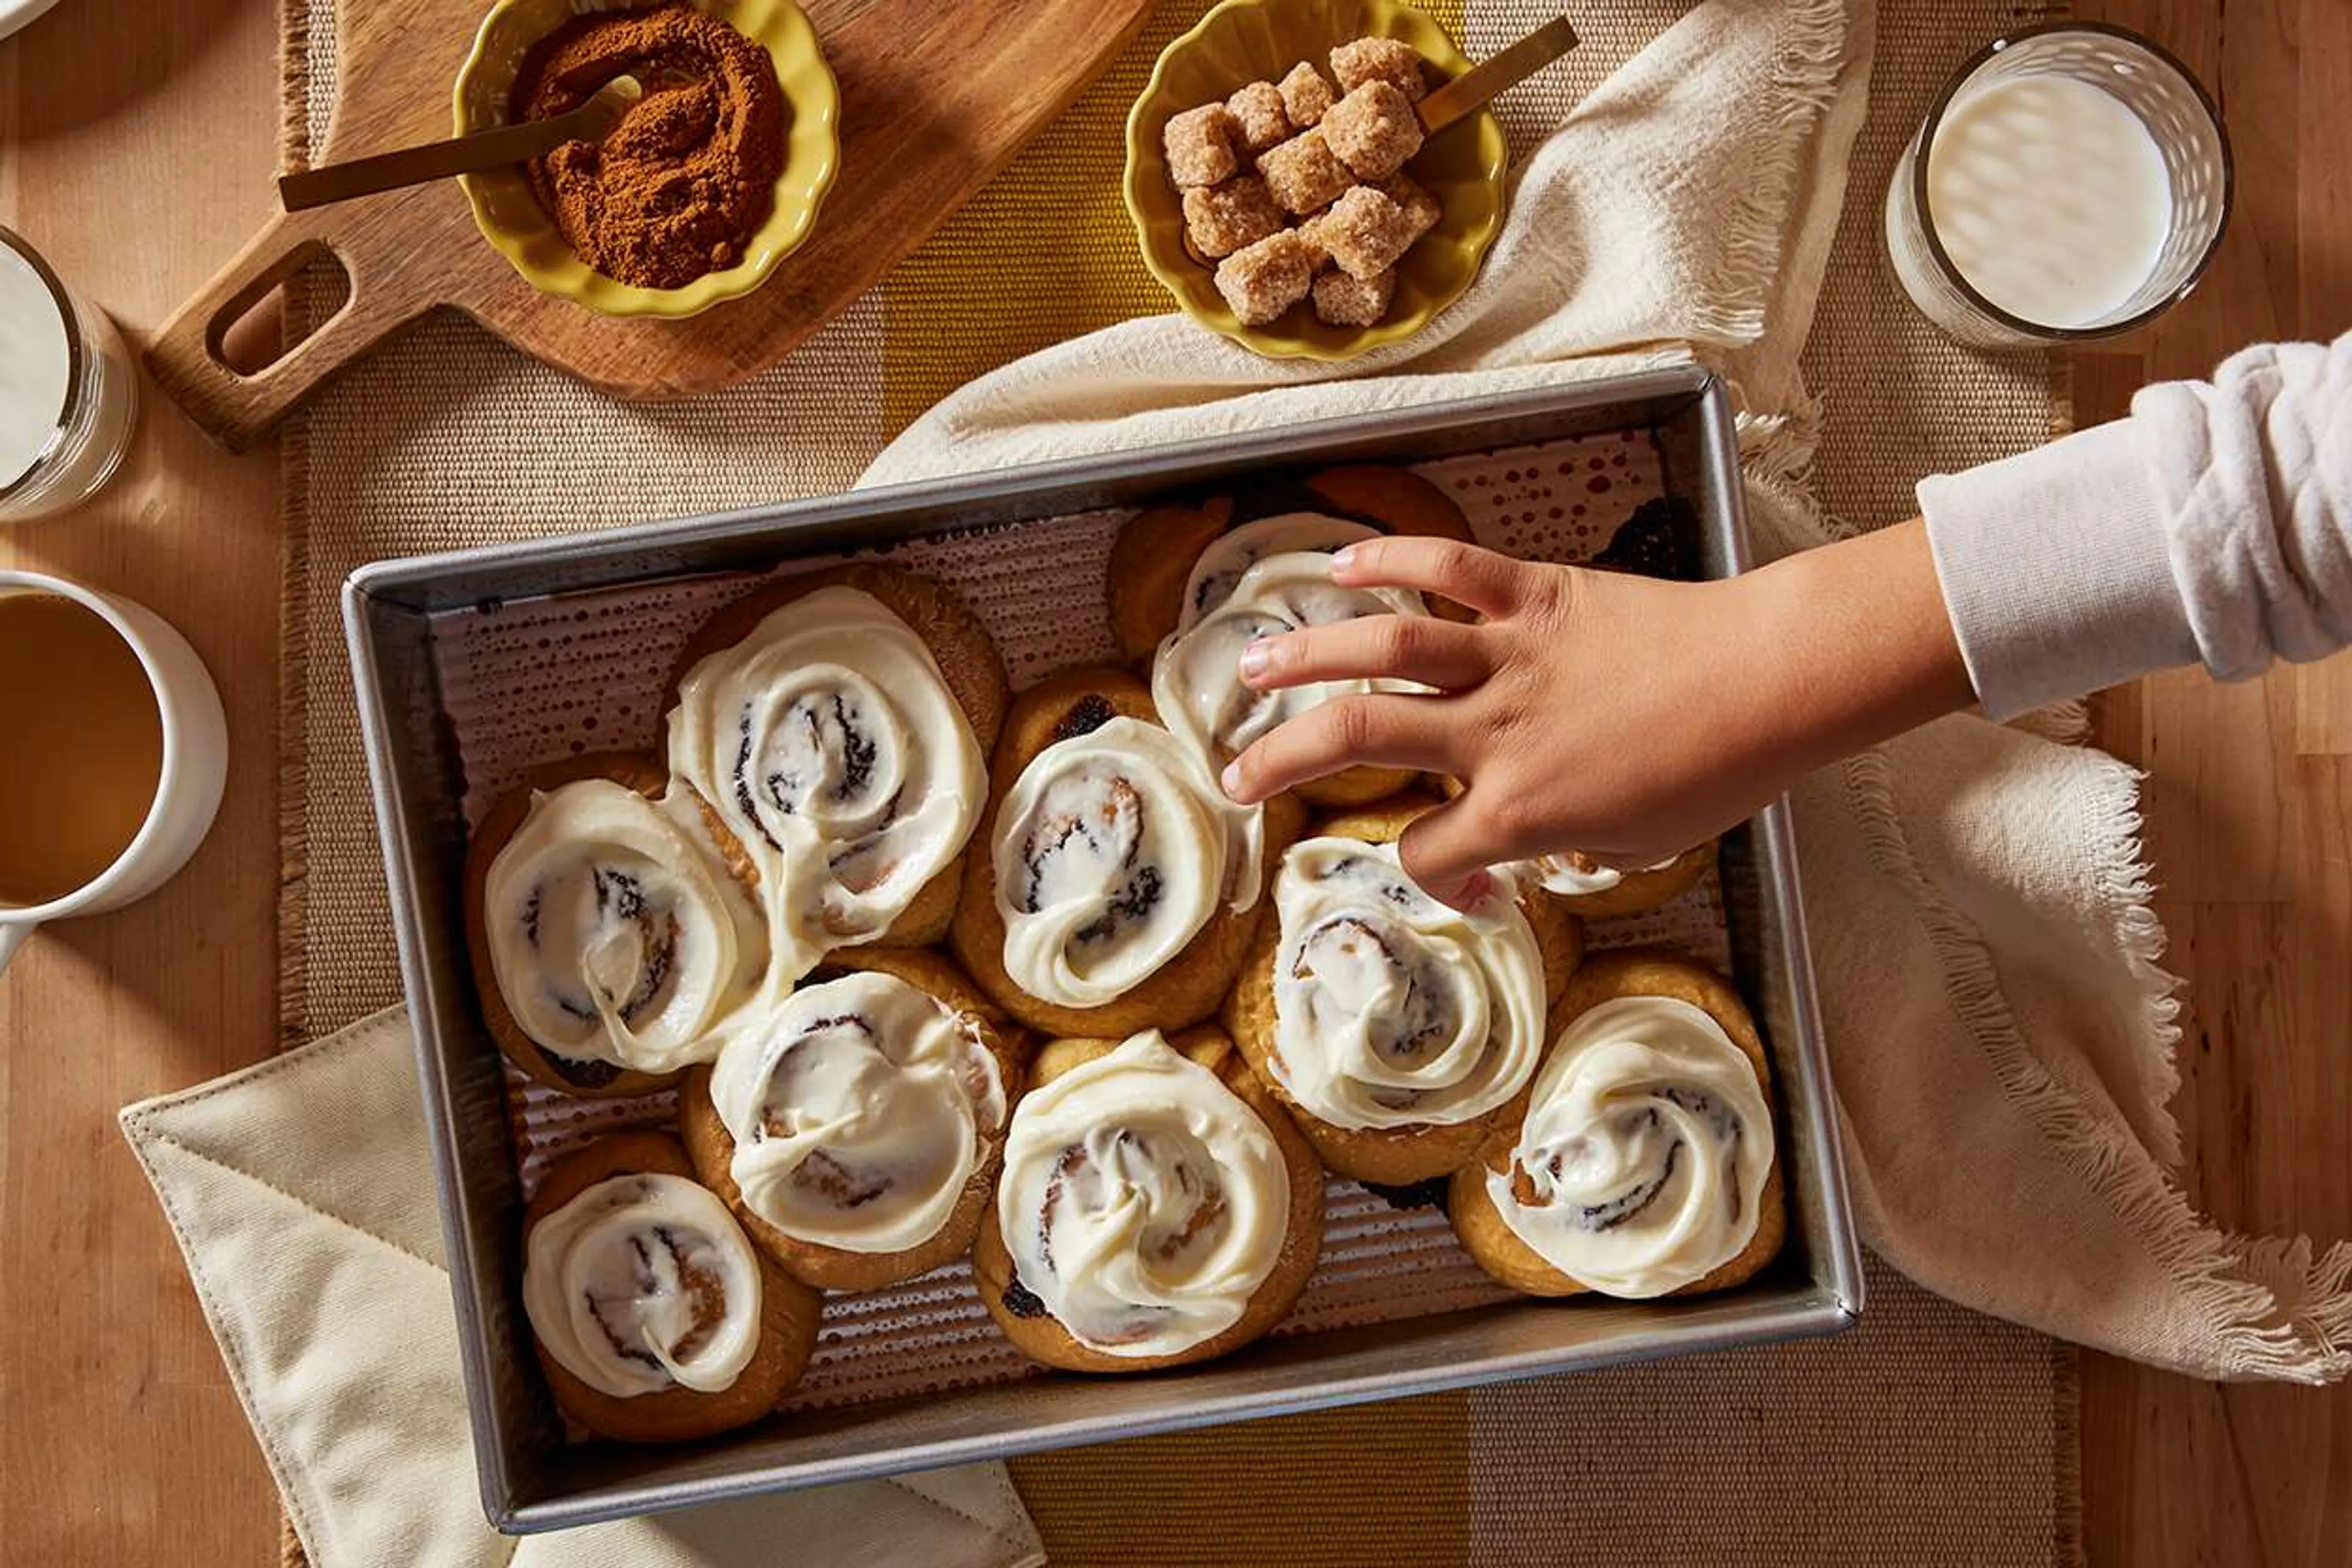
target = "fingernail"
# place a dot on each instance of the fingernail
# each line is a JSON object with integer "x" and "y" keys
{"x": 1473, "y": 890}
{"x": 1232, "y": 779}
{"x": 1343, "y": 558}
{"x": 1256, "y": 659}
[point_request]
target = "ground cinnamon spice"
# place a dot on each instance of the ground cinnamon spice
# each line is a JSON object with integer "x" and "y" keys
{"x": 688, "y": 176}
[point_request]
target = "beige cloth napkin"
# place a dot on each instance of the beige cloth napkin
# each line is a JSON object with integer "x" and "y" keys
{"x": 301, "y": 1192}
{"x": 2002, "y": 1036}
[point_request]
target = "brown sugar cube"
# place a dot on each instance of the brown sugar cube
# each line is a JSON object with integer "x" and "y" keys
{"x": 1306, "y": 95}
{"x": 1199, "y": 145}
{"x": 1344, "y": 301}
{"x": 1379, "y": 60}
{"x": 1302, "y": 173}
{"x": 1261, "y": 281}
{"x": 1257, "y": 110}
{"x": 1365, "y": 231}
{"x": 1223, "y": 217}
{"x": 1373, "y": 130}
{"x": 1310, "y": 235}
{"x": 1420, "y": 206}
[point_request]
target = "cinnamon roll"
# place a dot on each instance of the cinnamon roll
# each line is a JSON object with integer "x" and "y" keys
{"x": 855, "y": 1132}
{"x": 1582, "y": 884}
{"x": 1153, "y": 562}
{"x": 608, "y": 941}
{"x": 1395, "y": 1026}
{"x": 654, "y": 1318}
{"x": 835, "y": 727}
{"x": 1642, "y": 1161}
{"x": 1117, "y": 887}
{"x": 1157, "y": 1207}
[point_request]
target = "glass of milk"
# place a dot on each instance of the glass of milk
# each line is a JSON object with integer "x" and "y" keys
{"x": 69, "y": 392}
{"x": 2072, "y": 181}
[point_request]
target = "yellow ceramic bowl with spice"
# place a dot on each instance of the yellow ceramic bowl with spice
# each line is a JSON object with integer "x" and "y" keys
{"x": 511, "y": 217}
{"x": 1243, "y": 41}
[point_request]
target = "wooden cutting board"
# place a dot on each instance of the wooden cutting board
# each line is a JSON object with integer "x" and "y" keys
{"x": 936, "y": 97}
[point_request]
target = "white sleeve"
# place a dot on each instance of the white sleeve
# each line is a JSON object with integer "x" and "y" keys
{"x": 2214, "y": 526}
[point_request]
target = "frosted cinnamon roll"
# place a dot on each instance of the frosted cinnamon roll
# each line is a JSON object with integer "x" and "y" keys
{"x": 856, "y": 1130}
{"x": 1592, "y": 889}
{"x": 654, "y": 1318}
{"x": 838, "y": 741}
{"x": 1645, "y": 1165}
{"x": 1155, "y": 1208}
{"x": 609, "y": 941}
{"x": 1395, "y": 1026}
{"x": 1155, "y": 564}
{"x": 1120, "y": 886}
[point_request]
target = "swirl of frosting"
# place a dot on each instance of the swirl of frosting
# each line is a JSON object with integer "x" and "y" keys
{"x": 1220, "y": 567}
{"x": 1143, "y": 1202}
{"x": 1641, "y": 1164}
{"x": 1113, "y": 849}
{"x": 1572, "y": 872}
{"x": 859, "y": 1110}
{"x": 614, "y": 933}
{"x": 1391, "y": 1008}
{"x": 829, "y": 744}
{"x": 641, "y": 1283}
{"x": 1196, "y": 676}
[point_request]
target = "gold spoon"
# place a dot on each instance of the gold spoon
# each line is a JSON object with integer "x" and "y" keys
{"x": 1469, "y": 93}
{"x": 592, "y": 122}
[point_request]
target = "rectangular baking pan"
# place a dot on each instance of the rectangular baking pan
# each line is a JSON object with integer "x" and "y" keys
{"x": 531, "y": 1480}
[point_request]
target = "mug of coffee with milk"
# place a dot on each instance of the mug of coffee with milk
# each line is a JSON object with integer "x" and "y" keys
{"x": 2070, "y": 183}
{"x": 112, "y": 752}
{"x": 69, "y": 392}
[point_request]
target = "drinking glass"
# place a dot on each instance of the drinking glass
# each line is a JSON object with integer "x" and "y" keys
{"x": 101, "y": 403}
{"x": 2166, "y": 99}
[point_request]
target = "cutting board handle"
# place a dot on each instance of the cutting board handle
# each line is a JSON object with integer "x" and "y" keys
{"x": 239, "y": 407}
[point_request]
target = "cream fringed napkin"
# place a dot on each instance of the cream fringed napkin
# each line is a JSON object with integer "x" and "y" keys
{"x": 301, "y": 1192}
{"x": 2000, "y": 1035}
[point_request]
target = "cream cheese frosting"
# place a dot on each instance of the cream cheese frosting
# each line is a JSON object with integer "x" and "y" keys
{"x": 860, "y": 1109}
{"x": 1392, "y": 1009}
{"x": 1641, "y": 1164}
{"x": 614, "y": 933}
{"x": 1571, "y": 874}
{"x": 830, "y": 744}
{"x": 1236, "y": 550}
{"x": 1112, "y": 849}
{"x": 641, "y": 1283}
{"x": 1196, "y": 676}
{"x": 1143, "y": 1202}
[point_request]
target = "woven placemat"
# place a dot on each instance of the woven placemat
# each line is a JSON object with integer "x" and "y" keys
{"x": 1928, "y": 1434}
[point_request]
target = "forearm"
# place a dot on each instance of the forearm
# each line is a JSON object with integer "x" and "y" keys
{"x": 2214, "y": 526}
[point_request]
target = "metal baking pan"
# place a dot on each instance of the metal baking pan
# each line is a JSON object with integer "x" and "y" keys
{"x": 531, "y": 1480}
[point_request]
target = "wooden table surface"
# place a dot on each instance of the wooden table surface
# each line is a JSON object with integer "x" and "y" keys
{"x": 136, "y": 142}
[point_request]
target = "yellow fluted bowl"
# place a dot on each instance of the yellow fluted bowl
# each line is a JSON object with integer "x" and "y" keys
{"x": 1243, "y": 41}
{"x": 511, "y": 219}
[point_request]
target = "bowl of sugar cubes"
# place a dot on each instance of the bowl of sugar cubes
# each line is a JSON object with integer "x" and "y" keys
{"x": 1283, "y": 187}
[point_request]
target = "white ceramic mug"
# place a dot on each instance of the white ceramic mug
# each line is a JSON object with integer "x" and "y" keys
{"x": 187, "y": 790}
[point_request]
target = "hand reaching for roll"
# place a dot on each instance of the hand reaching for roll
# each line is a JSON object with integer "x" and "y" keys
{"x": 1621, "y": 717}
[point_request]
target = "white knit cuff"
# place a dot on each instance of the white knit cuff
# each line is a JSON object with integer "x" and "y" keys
{"x": 2056, "y": 571}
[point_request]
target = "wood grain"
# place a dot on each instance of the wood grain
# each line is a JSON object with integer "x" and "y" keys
{"x": 935, "y": 100}
{"x": 122, "y": 1442}
{"x": 2249, "y": 812}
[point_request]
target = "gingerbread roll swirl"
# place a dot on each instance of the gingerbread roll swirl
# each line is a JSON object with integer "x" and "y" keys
{"x": 1640, "y": 1167}
{"x": 1113, "y": 849}
{"x": 1392, "y": 1009}
{"x": 829, "y": 744}
{"x": 859, "y": 1110}
{"x": 1143, "y": 1202}
{"x": 614, "y": 934}
{"x": 641, "y": 1283}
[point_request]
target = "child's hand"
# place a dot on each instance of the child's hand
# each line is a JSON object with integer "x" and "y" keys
{"x": 1624, "y": 716}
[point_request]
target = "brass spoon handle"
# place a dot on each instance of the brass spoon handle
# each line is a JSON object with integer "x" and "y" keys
{"x": 592, "y": 122}
{"x": 1469, "y": 92}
